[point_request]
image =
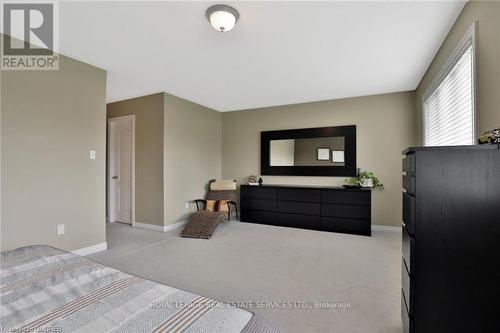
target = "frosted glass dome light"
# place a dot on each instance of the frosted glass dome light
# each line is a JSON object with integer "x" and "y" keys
{"x": 222, "y": 17}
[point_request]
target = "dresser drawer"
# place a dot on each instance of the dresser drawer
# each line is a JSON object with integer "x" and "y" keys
{"x": 408, "y": 285}
{"x": 258, "y": 216}
{"x": 307, "y": 208}
{"x": 409, "y": 184}
{"x": 409, "y": 164}
{"x": 409, "y": 212}
{"x": 408, "y": 323}
{"x": 409, "y": 251}
{"x": 345, "y": 225}
{"x": 350, "y": 211}
{"x": 258, "y": 204}
{"x": 346, "y": 197}
{"x": 298, "y": 221}
{"x": 258, "y": 192}
{"x": 299, "y": 194}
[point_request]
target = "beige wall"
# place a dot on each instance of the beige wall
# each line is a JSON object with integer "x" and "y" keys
{"x": 192, "y": 143}
{"x": 487, "y": 17}
{"x": 50, "y": 121}
{"x": 385, "y": 126}
{"x": 148, "y": 111}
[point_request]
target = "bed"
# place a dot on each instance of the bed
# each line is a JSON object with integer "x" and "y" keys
{"x": 45, "y": 289}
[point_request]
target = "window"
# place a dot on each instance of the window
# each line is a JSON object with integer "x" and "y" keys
{"x": 448, "y": 104}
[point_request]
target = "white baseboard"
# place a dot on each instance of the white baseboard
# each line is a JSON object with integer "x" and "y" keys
{"x": 160, "y": 228}
{"x": 91, "y": 249}
{"x": 147, "y": 226}
{"x": 379, "y": 227}
{"x": 174, "y": 226}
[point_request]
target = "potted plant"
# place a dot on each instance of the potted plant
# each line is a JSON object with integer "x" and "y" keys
{"x": 365, "y": 179}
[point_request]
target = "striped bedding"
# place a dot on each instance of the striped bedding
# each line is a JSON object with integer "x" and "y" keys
{"x": 44, "y": 289}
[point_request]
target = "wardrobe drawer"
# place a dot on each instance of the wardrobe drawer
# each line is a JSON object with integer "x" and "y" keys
{"x": 299, "y": 194}
{"x": 307, "y": 208}
{"x": 258, "y": 216}
{"x": 258, "y": 204}
{"x": 408, "y": 323}
{"x": 346, "y": 197}
{"x": 408, "y": 285}
{"x": 409, "y": 213}
{"x": 409, "y": 164}
{"x": 350, "y": 211}
{"x": 258, "y": 192}
{"x": 409, "y": 251}
{"x": 345, "y": 225}
{"x": 298, "y": 221}
{"x": 409, "y": 184}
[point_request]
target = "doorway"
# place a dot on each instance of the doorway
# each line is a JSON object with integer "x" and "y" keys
{"x": 121, "y": 169}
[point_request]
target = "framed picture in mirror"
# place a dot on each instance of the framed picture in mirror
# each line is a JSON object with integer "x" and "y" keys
{"x": 338, "y": 156}
{"x": 323, "y": 154}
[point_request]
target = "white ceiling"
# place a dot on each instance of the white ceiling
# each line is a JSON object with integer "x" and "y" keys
{"x": 278, "y": 53}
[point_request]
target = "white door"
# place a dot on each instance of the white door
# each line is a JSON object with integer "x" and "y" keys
{"x": 121, "y": 143}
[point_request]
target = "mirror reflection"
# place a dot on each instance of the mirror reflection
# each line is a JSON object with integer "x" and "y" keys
{"x": 325, "y": 151}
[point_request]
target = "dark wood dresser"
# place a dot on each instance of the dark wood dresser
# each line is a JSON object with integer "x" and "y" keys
{"x": 319, "y": 208}
{"x": 451, "y": 239}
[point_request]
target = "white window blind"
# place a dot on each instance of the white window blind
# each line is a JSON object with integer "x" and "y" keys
{"x": 448, "y": 105}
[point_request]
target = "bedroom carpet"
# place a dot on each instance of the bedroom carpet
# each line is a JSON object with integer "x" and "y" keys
{"x": 274, "y": 271}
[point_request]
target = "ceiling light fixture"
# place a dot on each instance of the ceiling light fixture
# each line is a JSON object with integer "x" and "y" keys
{"x": 222, "y": 17}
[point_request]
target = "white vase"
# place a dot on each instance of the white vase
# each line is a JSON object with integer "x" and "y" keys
{"x": 367, "y": 182}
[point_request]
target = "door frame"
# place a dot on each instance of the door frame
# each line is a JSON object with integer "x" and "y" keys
{"x": 111, "y": 155}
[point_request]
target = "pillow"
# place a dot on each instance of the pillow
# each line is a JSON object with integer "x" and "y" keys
{"x": 217, "y": 206}
{"x": 223, "y": 185}
{"x": 222, "y": 206}
{"x": 210, "y": 206}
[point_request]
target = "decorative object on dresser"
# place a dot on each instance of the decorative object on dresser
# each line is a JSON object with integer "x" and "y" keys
{"x": 491, "y": 137}
{"x": 320, "y": 208}
{"x": 451, "y": 228}
{"x": 323, "y": 151}
{"x": 252, "y": 180}
{"x": 364, "y": 179}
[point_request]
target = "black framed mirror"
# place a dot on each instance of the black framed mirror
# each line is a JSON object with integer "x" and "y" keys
{"x": 322, "y": 151}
